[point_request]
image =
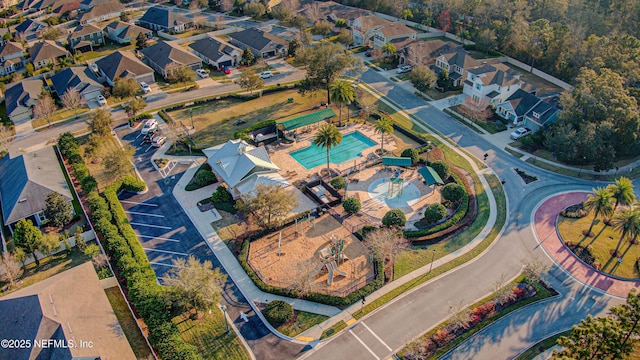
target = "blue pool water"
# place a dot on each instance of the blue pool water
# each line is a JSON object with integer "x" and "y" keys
{"x": 350, "y": 148}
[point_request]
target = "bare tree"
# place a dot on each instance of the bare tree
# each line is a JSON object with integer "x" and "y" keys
{"x": 304, "y": 277}
{"x": 313, "y": 12}
{"x": 10, "y": 268}
{"x": 226, "y": 5}
{"x": 414, "y": 54}
{"x": 475, "y": 110}
{"x": 249, "y": 80}
{"x": 500, "y": 289}
{"x": 386, "y": 243}
{"x": 369, "y": 104}
{"x": 459, "y": 316}
{"x": 534, "y": 268}
{"x": 72, "y": 100}
{"x": 6, "y": 137}
{"x": 45, "y": 108}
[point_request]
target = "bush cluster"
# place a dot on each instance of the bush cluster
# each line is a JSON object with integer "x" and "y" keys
{"x": 70, "y": 149}
{"x": 338, "y": 182}
{"x": 203, "y": 177}
{"x": 394, "y": 217}
{"x": 278, "y": 312}
{"x": 352, "y": 205}
{"x": 452, "y": 192}
{"x": 412, "y": 153}
{"x": 221, "y": 195}
{"x": 434, "y": 213}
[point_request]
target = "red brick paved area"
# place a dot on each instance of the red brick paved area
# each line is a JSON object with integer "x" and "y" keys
{"x": 545, "y": 228}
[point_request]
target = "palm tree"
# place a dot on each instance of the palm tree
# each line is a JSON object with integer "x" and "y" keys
{"x": 342, "y": 92}
{"x": 600, "y": 203}
{"x": 383, "y": 127}
{"x": 627, "y": 222}
{"x": 389, "y": 50}
{"x": 406, "y": 14}
{"x": 622, "y": 192}
{"x": 327, "y": 137}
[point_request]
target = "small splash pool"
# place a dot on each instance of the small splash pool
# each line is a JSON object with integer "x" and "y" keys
{"x": 350, "y": 148}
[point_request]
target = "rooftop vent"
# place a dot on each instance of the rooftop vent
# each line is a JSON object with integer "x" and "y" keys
{"x": 22, "y": 200}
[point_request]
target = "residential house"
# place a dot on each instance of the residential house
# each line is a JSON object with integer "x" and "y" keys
{"x": 88, "y": 4}
{"x": 60, "y": 7}
{"x": 216, "y": 53}
{"x": 125, "y": 33}
{"x": 375, "y": 31}
{"x": 525, "y": 109}
{"x": 164, "y": 57}
{"x": 457, "y": 63}
{"x": 424, "y": 52}
{"x": 122, "y": 64}
{"x": 261, "y": 43}
{"x": 30, "y": 30}
{"x": 84, "y": 37}
{"x": 11, "y": 57}
{"x": 491, "y": 83}
{"x": 80, "y": 78}
{"x": 26, "y": 181}
{"x": 20, "y": 98}
{"x": 102, "y": 12}
{"x": 70, "y": 308}
{"x": 45, "y": 52}
{"x": 163, "y": 19}
{"x": 332, "y": 11}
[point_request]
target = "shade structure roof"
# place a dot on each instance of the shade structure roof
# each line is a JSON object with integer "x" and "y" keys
{"x": 308, "y": 119}
{"x": 396, "y": 161}
{"x": 430, "y": 176}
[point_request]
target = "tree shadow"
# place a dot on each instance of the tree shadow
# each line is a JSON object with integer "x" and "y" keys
{"x": 617, "y": 263}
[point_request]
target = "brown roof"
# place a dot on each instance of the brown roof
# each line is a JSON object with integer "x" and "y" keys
{"x": 427, "y": 51}
{"x": 10, "y": 47}
{"x": 82, "y": 30}
{"x": 499, "y": 74}
{"x": 103, "y": 9}
{"x": 122, "y": 63}
{"x": 166, "y": 55}
{"x": 371, "y": 21}
{"x": 45, "y": 50}
{"x": 396, "y": 29}
{"x": 339, "y": 11}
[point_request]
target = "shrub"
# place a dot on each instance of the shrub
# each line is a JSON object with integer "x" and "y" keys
{"x": 434, "y": 213}
{"x": 352, "y": 205}
{"x": 278, "y": 312}
{"x": 442, "y": 168}
{"x": 221, "y": 195}
{"x": 394, "y": 217}
{"x": 452, "y": 192}
{"x": 242, "y": 134}
{"x": 411, "y": 153}
{"x": 338, "y": 182}
{"x": 80, "y": 171}
{"x": 203, "y": 177}
{"x": 89, "y": 184}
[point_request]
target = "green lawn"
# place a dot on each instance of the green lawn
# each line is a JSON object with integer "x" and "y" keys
{"x": 59, "y": 115}
{"x": 97, "y": 170}
{"x": 606, "y": 239}
{"x": 208, "y": 335}
{"x": 128, "y": 323}
{"x": 201, "y": 30}
{"x": 514, "y": 153}
{"x": 104, "y": 51}
{"x": 333, "y": 329}
{"x": 543, "y": 345}
{"x": 303, "y": 321}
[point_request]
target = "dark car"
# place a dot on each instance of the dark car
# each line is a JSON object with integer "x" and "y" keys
{"x": 367, "y": 53}
{"x": 148, "y": 138}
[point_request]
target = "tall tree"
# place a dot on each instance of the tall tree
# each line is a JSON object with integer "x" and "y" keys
{"x": 325, "y": 62}
{"x": 249, "y": 80}
{"x": 389, "y": 51}
{"x": 328, "y": 136}
{"x": 10, "y": 268}
{"x": 627, "y": 223}
{"x": 383, "y": 127}
{"x": 58, "y": 209}
{"x": 385, "y": 244}
{"x": 622, "y": 192}
{"x": 269, "y": 204}
{"x": 248, "y": 56}
{"x": 422, "y": 78}
{"x": 628, "y": 316}
{"x": 593, "y": 338}
{"x": 141, "y": 41}
{"x": 119, "y": 162}
{"x": 182, "y": 74}
{"x": 100, "y": 122}
{"x": 342, "y": 92}
{"x": 196, "y": 285}
{"x": 600, "y": 204}
{"x": 407, "y": 14}
{"x": 125, "y": 87}
{"x": 27, "y": 237}
{"x": 45, "y": 108}
{"x": 134, "y": 106}
{"x": 72, "y": 100}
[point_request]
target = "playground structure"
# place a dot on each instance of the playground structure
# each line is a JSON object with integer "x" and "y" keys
{"x": 396, "y": 184}
{"x": 329, "y": 256}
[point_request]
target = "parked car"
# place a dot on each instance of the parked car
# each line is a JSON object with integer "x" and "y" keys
{"x": 101, "y": 100}
{"x": 149, "y": 126}
{"x": 158, "y": 141}
{"x": 203, "y": 74}
{"x": 520, "y": 132}
{"x": 145, "y": 87}
{"x": 404, "y": 69}
{"x": 367, "y": 53}
{"x": 149, "y": 137}
{"x": 266, "y": 75}
{"x": 226, "y": 71}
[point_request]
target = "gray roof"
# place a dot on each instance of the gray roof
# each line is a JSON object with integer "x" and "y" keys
{"x": 120, "y": 64}
{"x": 258, "y": 39}
{"x": 29, "y": 26}
{"x": 25, "y": 182}
{"x": 82, "y": 30}
{"x": 46, "y": 50}
{"x": 18, "y": 94}
{"x": 102, "y": 9}
{"x": 10, "y": 48}
{"x": 524, "y": 103}
{"x": 165, "y": 54}
{"x": 212, "y": 48}
{"x": 78, "y": 77}
{"x": 164, "y": 17}
{"x": 129, "y": 30}
{"x": 92, "y": 3}
{"x": 235, "y": 160}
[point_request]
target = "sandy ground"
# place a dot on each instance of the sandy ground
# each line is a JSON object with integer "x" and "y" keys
{"x": 300, "y": 255}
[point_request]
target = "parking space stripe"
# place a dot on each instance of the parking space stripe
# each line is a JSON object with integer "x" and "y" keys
{"x": 161, "y": 264}
{"x": 363, "y": 344}
{"x": 376, "y": 336}
{"x": 137, "y": 203}
{"x": 149, "y": 225}
{"x": 159, "y": 238}
{"x": 168, "y": 252}
{"x": 144, "y": 214}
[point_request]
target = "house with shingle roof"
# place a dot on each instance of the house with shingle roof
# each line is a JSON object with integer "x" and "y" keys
{"x": 493, "y": 83}
{"x": 45, "y": 52}
{"x": 261, "y": 43}
{"x": 25, "y": 182}
{"x": 122, "y": 64}
{"x": 125, "y": 33}
{"x": 88, "y": 4}
{"x": 69, "y": 306}
{"x": 163, "y": 19}
{"x": 30, "y": 30}
{"x": 456, "y": 62}
{"x": 102, "y": 12}
{"x": 11, "y": 57}
{"x": 425, "y": 52}
{"x": 525, "y": 109}
{"x": 164, "y": 57}
{"x": 216, "y": 53}
{"x": 80, "y": 78}
{"x": 84, "y": 37}
{"x": 332, "y": 11}
{"x": 20, "y": 98}
{"x": 376, "y": 31}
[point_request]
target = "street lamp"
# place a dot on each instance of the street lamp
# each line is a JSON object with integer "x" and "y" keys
{"x": 584, "y": 158}
{"x": 433, "y": 255}
{"x": 224, "y": 313}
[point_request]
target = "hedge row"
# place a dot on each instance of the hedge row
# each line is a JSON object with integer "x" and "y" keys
{"x": 150, "y": 299}
{"x": 317, "y": 297}
{"x": 70, "y": 149}
{"x": 242, "y": 134}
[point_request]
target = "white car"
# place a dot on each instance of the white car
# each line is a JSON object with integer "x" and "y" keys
{"x": 266, "y": 75}
{"x": 145, "y": 87}
{"x": 203, "y": 74}
{"x": 520, "y": 132}
{"x": 404, "y": 69}
{"x": 101, "y": 100}
{"x": 149, "y": 125}
{"x": 158, "y": 141}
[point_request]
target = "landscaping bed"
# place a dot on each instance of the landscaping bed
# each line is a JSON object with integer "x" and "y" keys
{"x": 298, "y": 323}
{"x": 204, "y": 176}
{"x": 525, "y": 177}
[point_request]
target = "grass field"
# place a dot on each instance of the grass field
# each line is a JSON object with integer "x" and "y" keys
{"x": 128, "y": 324}
{"x": 97, "y": 169}
{"x": 606, "y": 239}
{"x": 333, "y": 329}
{"x": 303, "y": 321}
{"x": 59, "y": 115}
{"x": 214, "y": 121}
{"x": 208, "y": 335}
{"x": 104, "y": 51}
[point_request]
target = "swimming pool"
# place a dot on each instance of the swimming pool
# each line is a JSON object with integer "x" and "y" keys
{"x": 350, "y": 148}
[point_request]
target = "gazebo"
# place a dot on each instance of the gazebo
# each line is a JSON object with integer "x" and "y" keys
{"x": 430, "y": 176}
